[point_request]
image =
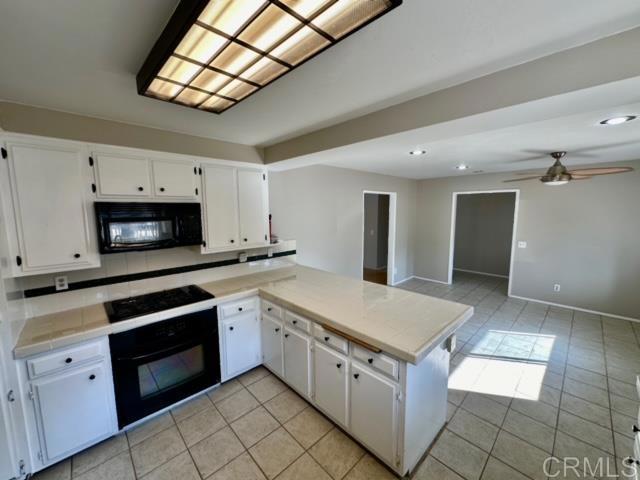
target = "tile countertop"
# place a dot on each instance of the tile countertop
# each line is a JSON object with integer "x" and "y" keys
{"x": 404, "y": 324}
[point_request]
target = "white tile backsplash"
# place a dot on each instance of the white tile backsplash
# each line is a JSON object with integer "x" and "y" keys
{"x": 137, "y": 262}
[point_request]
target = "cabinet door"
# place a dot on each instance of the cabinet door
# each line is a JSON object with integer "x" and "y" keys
{"x": 253, "y": 207}
{"x": 374, "y": 411}
{"x": 8, "y": 467}
{"x": 330, "y": 387}
{"x": 241, "y": 343}
{"x": 297, "y": 360}
{"x": 220, "y": 203}
{"x": 174, "y": 179}
{"x": 50, "y": 208}
{"x": 272, "y": 344}
{"x": 122, "y": 176}
{"x": 73, "y": 409}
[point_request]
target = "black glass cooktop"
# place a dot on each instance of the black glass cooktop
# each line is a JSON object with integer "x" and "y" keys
{"x": 118, "y": 310}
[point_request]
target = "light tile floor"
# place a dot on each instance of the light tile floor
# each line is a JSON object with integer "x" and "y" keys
{"x": 527, "y": 382}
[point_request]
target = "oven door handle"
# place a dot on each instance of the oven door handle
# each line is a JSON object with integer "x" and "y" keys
{"x": 164, "y": 352}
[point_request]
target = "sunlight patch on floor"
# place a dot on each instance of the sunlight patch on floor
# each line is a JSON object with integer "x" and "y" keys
{"x": 508, "y": 364}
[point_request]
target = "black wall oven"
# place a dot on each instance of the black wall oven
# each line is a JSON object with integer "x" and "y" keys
{"x": 157, "y": 365}
{"x": 128, "y": 226}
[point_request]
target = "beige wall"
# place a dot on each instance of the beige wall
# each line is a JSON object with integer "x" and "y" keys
{"x": 583, "y": 236}
{"x": 484, "y": 226}
{"x": 51, "y": 123}
{"x": 322, "y": 208}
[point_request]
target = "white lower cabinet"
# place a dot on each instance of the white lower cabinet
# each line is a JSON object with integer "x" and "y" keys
{"x": 297, "y": 360}
{"x": 73, "y": 407}
{"x": 331, "y": 383}
{"x": 241, "y": 343}
{"x": 271, "y": 330}
{"x": 73, "y": 410}
{"x": 374, "y": 411}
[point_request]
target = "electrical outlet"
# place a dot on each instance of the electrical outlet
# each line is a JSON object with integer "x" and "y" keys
{"x": 269, "y": 252}
{"x": 61, "y": 283}
{"x": 522, "y": 244}
{"x": 556, "y": 287}
{"x": 242, "y": 257}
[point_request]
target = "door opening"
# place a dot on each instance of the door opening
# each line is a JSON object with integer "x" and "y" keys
{"x": 378, "y": 237}
{"x": 483, "y": 229}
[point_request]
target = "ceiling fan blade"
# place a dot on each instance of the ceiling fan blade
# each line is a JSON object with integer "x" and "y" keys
{"x": 521, "y": 179}
{"x": 580, "y": 177}
{"x": 529, "y": 173}
{"x": 600, "y": 171}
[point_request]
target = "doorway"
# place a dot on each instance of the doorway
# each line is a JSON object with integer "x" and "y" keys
{"x": 378, "y": 237}
{"x": 483, "y": 232}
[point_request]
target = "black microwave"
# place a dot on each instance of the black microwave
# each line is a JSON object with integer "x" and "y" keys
{"x": 128, "y": 227}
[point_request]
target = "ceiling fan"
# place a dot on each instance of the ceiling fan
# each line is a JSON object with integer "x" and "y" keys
{"x": 558, "y": 174}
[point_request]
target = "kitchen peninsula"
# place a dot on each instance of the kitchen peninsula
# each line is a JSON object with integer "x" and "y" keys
{"x": 372, "y": 358}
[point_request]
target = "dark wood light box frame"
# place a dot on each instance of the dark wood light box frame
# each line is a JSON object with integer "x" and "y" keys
{"x": 186, "y": 14}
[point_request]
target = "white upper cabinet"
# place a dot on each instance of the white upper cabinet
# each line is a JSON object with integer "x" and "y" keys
{"x": 235, "y": 208}
{"x": 121, "y": 176}
{"x": 174, "y": 179}
{"x": 50, "y": 191}
{"x": 252, "y": 195}
{"x": 220, "y": 204}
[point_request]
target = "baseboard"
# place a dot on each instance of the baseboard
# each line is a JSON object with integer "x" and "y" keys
{"x": 571, "y": 307}
{"x": 428, "y": 279}
{"x": 398, "y": 282}
{"x": 480, "y": 273}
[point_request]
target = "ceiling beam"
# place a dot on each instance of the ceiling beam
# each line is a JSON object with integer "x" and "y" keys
{"x": 601, "y": 62}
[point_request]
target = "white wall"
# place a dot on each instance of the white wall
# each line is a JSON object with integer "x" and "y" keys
{"x": 322, "y": 208}
{"x": 370, "y": 231}
{"x": 583, "y": 236}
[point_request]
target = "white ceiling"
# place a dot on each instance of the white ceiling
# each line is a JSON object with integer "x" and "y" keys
{"x": 82, "y": 56}
{"x": 522, "y": 147}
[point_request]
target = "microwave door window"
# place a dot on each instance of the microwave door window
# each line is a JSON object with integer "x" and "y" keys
{"x": 140, "y": 233}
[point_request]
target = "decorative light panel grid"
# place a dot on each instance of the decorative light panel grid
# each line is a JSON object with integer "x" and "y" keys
{"x": 214, "y": 53}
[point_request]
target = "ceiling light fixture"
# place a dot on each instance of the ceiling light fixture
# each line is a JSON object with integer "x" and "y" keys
{"x": 618, "y": 120}
{"x": 418, "y": 152}
{"x": 214, "y": 53}
{"x": 462, "y": 167}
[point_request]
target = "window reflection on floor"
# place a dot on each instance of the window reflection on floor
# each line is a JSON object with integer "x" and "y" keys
{"x": 504, "y": 363}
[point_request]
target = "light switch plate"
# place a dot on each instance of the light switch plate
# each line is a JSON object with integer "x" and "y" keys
{"x": 61, "y": 283}
{"x": 522, "y": 244}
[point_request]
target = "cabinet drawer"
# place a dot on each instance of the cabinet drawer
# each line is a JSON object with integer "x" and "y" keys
{"x": 331, "y": 339}
{"x": 297, "y": 321}
{"x": 65, "y": 359}
{"x": 378, "y": 361}
{"x": 235, "y": 308}
{"x": 272, "y": 309}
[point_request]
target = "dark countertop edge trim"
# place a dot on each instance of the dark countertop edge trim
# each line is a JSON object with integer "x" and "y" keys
{"x": 131, "y": 277}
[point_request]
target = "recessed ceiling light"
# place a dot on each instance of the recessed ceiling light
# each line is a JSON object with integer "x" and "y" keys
{"x": 618, "y": 120}
{"x": 462, "y": 167}
{"x": 418, "y": 152}
{"x": 214, "y": 53}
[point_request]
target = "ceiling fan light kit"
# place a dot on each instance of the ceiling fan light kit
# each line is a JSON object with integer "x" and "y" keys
{"x": 557, "y": 174}
{"x": 215, "y": 53}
